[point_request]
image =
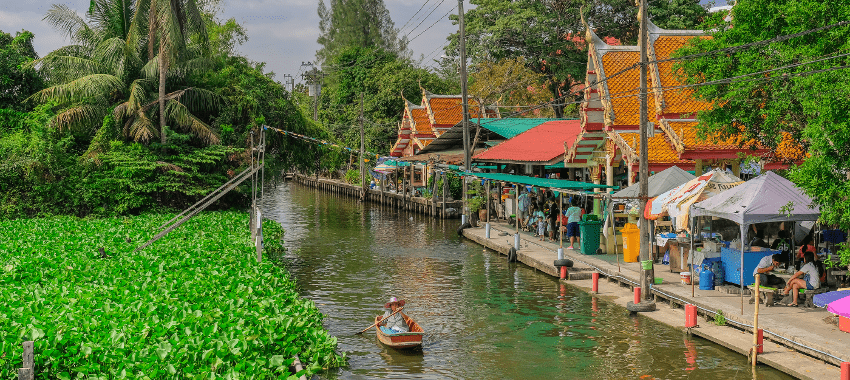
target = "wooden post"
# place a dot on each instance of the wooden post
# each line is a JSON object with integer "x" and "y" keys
{"x": 27, "y": 373}
{"x": 362, "y": 149}
{"x": 755, "y": 317}
{"x": 445, "y": 186}
{"x": 404, "y": 189}
{"x": 487, "y": 203}
{"x": 561, "y": 221}
{"x": 436, "y": 176}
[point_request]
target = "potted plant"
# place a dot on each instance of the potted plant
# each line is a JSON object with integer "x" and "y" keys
{"x": 475, "y": 204}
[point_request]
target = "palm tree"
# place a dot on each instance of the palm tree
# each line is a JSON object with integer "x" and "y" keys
{"x": 104, "y": 70}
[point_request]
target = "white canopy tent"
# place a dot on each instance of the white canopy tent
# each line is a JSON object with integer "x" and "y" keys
{"x": 658, "y": 183}
{"x": 766, "y": 198}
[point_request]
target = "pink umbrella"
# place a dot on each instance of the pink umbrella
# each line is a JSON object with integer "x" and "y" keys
{"x": 840, "y": 307}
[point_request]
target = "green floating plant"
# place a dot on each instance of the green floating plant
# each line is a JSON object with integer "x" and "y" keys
{"x": 195, "y": 304}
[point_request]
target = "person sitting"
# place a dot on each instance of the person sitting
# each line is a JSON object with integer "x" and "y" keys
{"x": 766, "y": 265}
{"x": 758, "y": 239}
{"x": 393, "y": 323}
{"x": 806, "y": 278}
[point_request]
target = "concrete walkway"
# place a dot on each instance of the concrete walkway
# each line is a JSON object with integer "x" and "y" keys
{"x": 798, "y": 340}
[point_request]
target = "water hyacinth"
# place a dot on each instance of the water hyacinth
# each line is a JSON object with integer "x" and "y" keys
{"x": 194, "y": 305}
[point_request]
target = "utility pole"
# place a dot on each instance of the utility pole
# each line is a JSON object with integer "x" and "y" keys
{"x": 362, "y": 150}
{"x": 314, "y": 81}
{"x": 648, "y": 276}
{"x": 467, "y": 166}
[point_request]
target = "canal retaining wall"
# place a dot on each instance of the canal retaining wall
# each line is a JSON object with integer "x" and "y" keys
{"x": 445, "y": 209}
{"x": 797, "y": 340}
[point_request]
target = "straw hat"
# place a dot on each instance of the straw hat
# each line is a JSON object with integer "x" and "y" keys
{"x": 393, "y": 300}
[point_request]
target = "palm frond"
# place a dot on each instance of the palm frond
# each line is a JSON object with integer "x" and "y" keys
{"x": 199, "y": 99}
{"x": 101, "y": 86}
{"x": 182, "y": 118}
{"x": 112, "y": 53}
{"x": 66, "y": 20}
{"x": 151, "y": 69}
{"x": 137, "y": 36}
{"x": 140, "y": 128}
{"x": 79, "y": 118}
{"x": 63, "y": 68}
{"x": 199, "y": 64}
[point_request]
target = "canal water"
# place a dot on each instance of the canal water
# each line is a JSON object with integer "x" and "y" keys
{"x": 484, "y": 318}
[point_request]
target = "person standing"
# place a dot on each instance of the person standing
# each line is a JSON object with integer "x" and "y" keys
{"x": 573, "y": 215}
{"x": 553, "y": 219}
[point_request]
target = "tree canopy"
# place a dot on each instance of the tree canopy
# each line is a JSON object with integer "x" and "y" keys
{"x": 549, "y": 33}
{"x": 357, "y": 23}
{"x": 794, "y": 87}
{"x": 17, "y": 80}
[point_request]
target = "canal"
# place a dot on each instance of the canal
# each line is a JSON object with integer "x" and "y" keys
{"x": 484, "y": 318}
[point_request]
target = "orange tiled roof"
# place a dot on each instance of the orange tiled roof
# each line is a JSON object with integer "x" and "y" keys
{"x": 676, "y": 100}
{"x": 687, "y": 133}
{"x": 421, "y": 122}
{"x": 624, "y": 88}
{"x": 449, "y": 110}
{"x": 659, "y": 150}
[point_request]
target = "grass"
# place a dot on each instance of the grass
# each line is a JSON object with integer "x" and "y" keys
{"x": 193, "y": 305}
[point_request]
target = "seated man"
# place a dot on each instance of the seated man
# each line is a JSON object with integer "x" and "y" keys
{"x": 393, "y": 324}
{"x": 764, "y": 267}
{"x": 806, "y": 278}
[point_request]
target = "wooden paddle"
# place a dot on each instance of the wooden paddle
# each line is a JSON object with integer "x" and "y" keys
{"x": 382, "y": 319}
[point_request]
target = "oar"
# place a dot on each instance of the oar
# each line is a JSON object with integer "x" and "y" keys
{"x": 382, "y": 319}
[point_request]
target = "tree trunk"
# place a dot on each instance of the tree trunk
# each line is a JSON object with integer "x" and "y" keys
{"x": 162, "y": 69}
{"x": 557, "y": 107}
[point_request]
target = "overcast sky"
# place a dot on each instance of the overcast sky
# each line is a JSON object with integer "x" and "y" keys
{"x": 281, "y": 33}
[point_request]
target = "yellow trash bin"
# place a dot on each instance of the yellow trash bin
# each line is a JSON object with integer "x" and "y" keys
{"x": 631, "y": 243}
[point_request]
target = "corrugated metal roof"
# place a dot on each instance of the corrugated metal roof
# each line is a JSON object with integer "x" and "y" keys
{"x": 509, "y": 128}
{"x": 543, "y": 143}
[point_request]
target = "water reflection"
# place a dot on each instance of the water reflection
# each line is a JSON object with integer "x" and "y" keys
{"x": 483, "y": 317}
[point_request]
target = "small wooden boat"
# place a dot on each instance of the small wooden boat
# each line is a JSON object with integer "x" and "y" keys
{"x": 405, "y": 340}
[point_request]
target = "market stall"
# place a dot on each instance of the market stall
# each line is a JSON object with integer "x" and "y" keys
{"x": 766, "y": 198}
{"x": 676, "y": 203}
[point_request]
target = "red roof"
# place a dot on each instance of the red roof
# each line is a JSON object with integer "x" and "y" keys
{"x": 542, "y": 143}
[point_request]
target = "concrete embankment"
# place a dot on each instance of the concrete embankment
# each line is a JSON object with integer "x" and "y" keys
{"x": 798, "y": 341}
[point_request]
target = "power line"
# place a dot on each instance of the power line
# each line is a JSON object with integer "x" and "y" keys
{"x": 426, "y": 17}
{"x": 435, "y": 23}
{"x": 414, "y": 15}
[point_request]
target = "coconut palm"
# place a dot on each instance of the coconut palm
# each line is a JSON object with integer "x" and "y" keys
{"x": 105, "y": 70}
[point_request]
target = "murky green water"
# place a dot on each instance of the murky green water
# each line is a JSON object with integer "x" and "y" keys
{"x": 484, "y": 318}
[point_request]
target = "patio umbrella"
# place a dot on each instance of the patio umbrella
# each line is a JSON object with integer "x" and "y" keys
{"x": 840, "y": 307}
{"x": 823, "y": 299}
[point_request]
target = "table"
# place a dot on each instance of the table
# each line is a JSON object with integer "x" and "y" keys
{"x": 679, "y": 253}
{"x": 731, "y": 261}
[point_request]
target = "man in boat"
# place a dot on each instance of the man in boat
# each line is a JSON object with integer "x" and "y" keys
{"x": 393, "y": 324}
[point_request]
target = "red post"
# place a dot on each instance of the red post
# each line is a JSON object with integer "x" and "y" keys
{"x": 563, "y": 273}
{"x": 760, "y": 343}
{"x": 637, "y": 295}
{"x": 690, "y": 316}
{"x": 595, "y": 277}
{"x": 845, "y": 371}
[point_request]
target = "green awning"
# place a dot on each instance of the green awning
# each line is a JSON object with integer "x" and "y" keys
{"x": 395, "y": 163}
{"x": 541, "y": 182}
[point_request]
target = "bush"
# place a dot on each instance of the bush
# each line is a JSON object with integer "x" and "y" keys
{"x": 195, "y": 304}
{"x": 352, "y": 176}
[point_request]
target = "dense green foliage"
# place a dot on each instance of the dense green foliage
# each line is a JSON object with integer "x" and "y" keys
{"x": 173, "y": 310}
{"x": 89, "y": 147}
{"x": 547, "y": 33}
{"x": 781, "y": 93}
{"x": 382, "y": 77}
{"x": 16, "y": 79}
{"x": 357, "y": 23}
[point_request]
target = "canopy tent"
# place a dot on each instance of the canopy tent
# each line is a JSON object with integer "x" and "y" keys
{"x": 658, "y": 183}
{"x": 386, "y": 165}
{"x": 540, "y": 182}
{"x": 766, "y": 198}
{"x": 677, "y": 201}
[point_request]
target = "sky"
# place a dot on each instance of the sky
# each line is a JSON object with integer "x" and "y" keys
{"x": 281, "y": 33}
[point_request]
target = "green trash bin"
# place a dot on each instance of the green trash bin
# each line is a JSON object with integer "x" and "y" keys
{"x": 590, "y": 227}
